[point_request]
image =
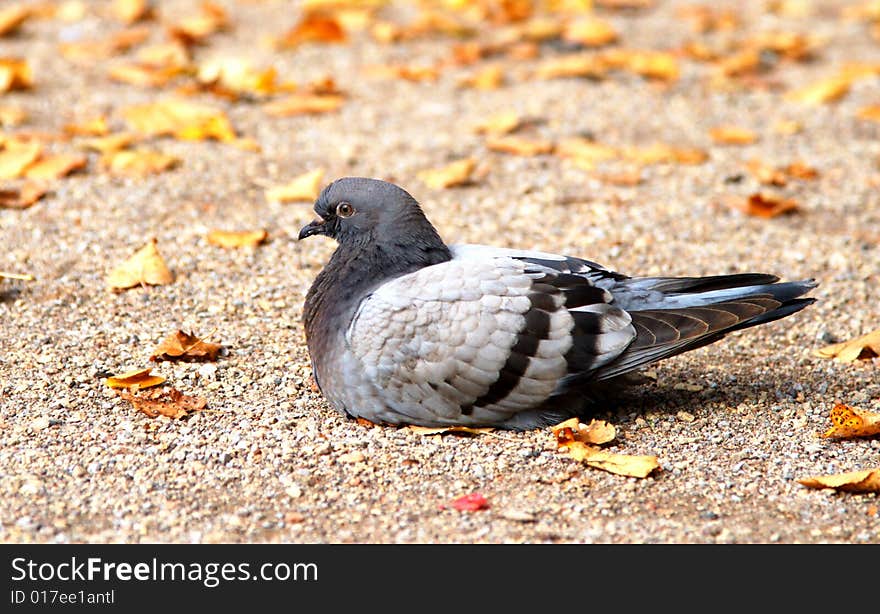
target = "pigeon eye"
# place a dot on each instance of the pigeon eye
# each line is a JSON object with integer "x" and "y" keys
{"x": 344, "y": 209}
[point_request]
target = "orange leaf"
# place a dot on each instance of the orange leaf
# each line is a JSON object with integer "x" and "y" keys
{"x": 15, "y": 74}
{"x": 143, "y": 75}
{"x": 827, "y": 90}
{"x": 865, "y": 347}
{"x": 313, "y": 28}
{"x": 90, "y": 50}
{"x": 579, "y": 65}
{"x": 136, "y": 162}
{"x": 195, "y": 28}
{"x": 849, "y": 421}
{"x": 871, "y": 113}
{"x": 455, "y": 174}
{"x": 236, "y": 238}
{"x": 501, "y": 123}
{"x": 440, "y": 430}
{"x": 12, "y": 17}
{"x": 138, "y": 378}
{"x": 590, "y": 32}
{"x": 305, "y": 187}
{"x": 853, "y": 481}
{"x": 16, "y": 157}
{"x": 130, "y": 11}
{"x": 185, "y": 346}
{"x": 55, "y": 166}
{"x": 110, "y": 143}
{"x": 96, "y": 126}
{"x": 12, "y": 116}
{"x": 489, "y": 78}
{"x": 732, "y": 135}
{"x": 304, "y": 104}
{"x": 762, "y": 205}
{"x": 21, "y": 198}
{"x": 145, "y": 266}
{"x": 518, "y": 145}
{"x": 171, "y": 403}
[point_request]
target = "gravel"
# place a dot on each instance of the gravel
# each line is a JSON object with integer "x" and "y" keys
{"x": 734, "y": 425}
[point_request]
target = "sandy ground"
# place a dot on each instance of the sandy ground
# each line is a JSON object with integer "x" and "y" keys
{"x": 734, "y": 425}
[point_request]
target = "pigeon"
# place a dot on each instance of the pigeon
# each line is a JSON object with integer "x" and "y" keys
{"x": 403, "y": 329}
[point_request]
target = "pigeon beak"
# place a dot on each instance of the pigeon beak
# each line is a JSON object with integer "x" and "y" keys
{"x": 315, "y": 227}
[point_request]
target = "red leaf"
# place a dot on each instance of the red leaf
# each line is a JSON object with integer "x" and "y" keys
{"x": 470, "y": 503}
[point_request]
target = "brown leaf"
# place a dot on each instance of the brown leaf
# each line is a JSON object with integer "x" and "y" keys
{"x": 595, "y": 433}
{"x": 182, "y": 119}
{"x": 21, "y": 198}
{"x": 185, "y": 346}
{"x": 455, "y": 174}
{"x": 314, "y": 27}
{"x": 849, "y": 421}
{"x": 55, "y": 166}
{"x": 236, "y": 238}
{"x": 440, "y": 430}
{"x": 865, "y": 347}
{"x": 763, "y": 205}
{"x": 732, "y": 135}
{"x": 138, "y": 378}
{"x": 145, "y": 266}
{"x": 304, "y": 104}
{"x": 16, "y": 157}
{"x": 305, "y": 187}
{"x": 854, "y": 481}
{"x": 137, "y": 162}
{"x": 165, "y": 402}
{"x": 12, "y": 17}
{"x": 519, "y": 146}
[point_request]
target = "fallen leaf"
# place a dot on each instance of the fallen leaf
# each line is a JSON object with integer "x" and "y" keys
{"x": 732, "y": 135}
{"x": 762, "y": 205}
{"x": 18, "y": 276}
{"x": 138, "y": 378}
{"x": 519, "y": 146}
{"x": 408, "y": 72}
{"x": 88, "y": 51}
{"x": 854, "y": 481}
{"x": 579, "y": 441}
{"x": 15, "y": 74}
{"x": 821, "y": 92}
{"x": 165, "y": 402}
{"x": 196, "y": 28}
{"x": 787, "y": 127}
{"x": 501, "y": 123}
{"x": 571, "y": 430}
{"x": 144, "y": 75}
{"x": 55, "y": 166}
{"x": 440, "y": 430}
{"x": 16, "y": 156}
{"x": 313, "y": 27}
{"x": 470, "y": 503}
{"x": 865, "y": 347}
{"x": 780, "y": 176}
{"x": 660, "y": 153}
{"x": 236, "y": 76}
{"x": 632, "y": 177}
{"x": 871, "y": 113}
{"x": 305, "y": 187}
{"x": 131, "y": 11}
{"x": 12, "y": 17}
{"x": 111, "y": 142}
{"x": 849, "y": 421}
{"x": 585, "y": 152}
{"x": 590, "y": 32}
{"x": 236, "y": 238}
{"x": 455, "y": 174}
{"x": 137, "y": 162}
{"x": 660, "y": 65}
{"x": 578, "y": 65}
{"x": 304, "y": 104}
{"x": 621, "y": 464}
{"x": 182, "y": 119}
{"x": 185, "y": 346}
{"x": 12, "y": 116}
{"x": 145, "y": 266}
{"x": 488, "y": 78}
{"x": 97, "y": 126}
{"x": 21, "y": 198}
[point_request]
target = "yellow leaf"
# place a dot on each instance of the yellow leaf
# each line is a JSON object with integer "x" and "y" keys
{"x": 489, "y": 78}
{"x": 304, "y": 104}
{"x": 138, "y": 378}
{"x": 579, "y": 65}
{"x": 305, "y": 187}
{"x": 584, "y": 150}
{"x": 195, "y": 28}
{"x": 236, "y": 238}
{"x": 15, "y": 74}
{"x": 137, "y": 162}
{"x": 143, "y": 75}
{"x": 12, "y": 116}
{"x": 96, "y": 126}
{"x": 130, "y": 11}
{"x": 659, "y": 153}
{"x": 595, "y": 433}
{"x": 454, "y": 174}
{"x": 849, "y": 421}
{"x": 861, "y": 348}
{"x": 18, "y": 276}
{"x": 853, "y": 481}
{"x": 659, "y": 65}
{"x": 110, "y": 143}
{"x": 12, "y": 17}
{"x": 519, "y": 146}
{"x": 89, "y": 50}
{"x": 145, "y": 266}
{"x": 501, "y": 123}
{"x": 182, "y": 119}
{"x": 16, "y": 157}
{"x": 623, "y": 464}
{"x": 827, "y": 90}
{"x": 732, "y": 135}
{"x": 590, "y": 32}
{"x": 55, "y": 166}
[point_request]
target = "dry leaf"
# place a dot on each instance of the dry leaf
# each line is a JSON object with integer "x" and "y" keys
{"x": 165, "y": 402}
{"x": 455, "y": 174}
{"x": 184, "y": 120}
{"x": 762, "y": 205}
{"x": 145, "y": 266}
{"x": 660, "y": 153}
{"x": 595, "y": 433}
{"x": 18, "y": 276}
{"x": 731, "y": 135}
{"x": 55, "y": 166}
{"x": 779, "y": 176}
{"x": 196, "y": 28}
{"x": 144, "y": 75}
{"x": 12, "y": 17}
{"x": 501, "y": 123}
{"x": 787, "y": 127}
{"x": 305, "y": 187}
{"x": 849, "y": 421}
{"x": 488, "y": 78}
{"x": 12, "y": 116}
{"x": 137, "y": 162}
{"x": 827, "y": 90}
{"x": 585, "y": 152}
{"x": 579, "y": 65}
{"x": 15, "y": 74}
{"x": 871, "y": 113}
{"x": 578, "y": 439}
{"x": 16, "y": 157}
{"x": 21, "y": 198}
{"x": 632, "y": 177}
{"x": 519, "y": 146}
{"x": 650, "y": 64}
{"x": 97, "y": 126}
{"x": 91, "y": 50}
{"x": 407, "y": 72}
{"x": 304, "y": 104}
{"x": 865, "y": 347}
{"x": 237, "y": 238}
{"x": 185, "y": 346}
{"x": 138, "y": 378}
{"x": 110, "y": 143}
{"x": 131, "y": 11}
{"x": 314, "y": 27}
{"x": 440, "y": 430}
{"x": 853, "y": 481}
{"x": 590, "y": 32}
{"x": 236, "y": 76}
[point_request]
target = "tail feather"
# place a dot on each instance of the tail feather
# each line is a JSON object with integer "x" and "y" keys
{"x": 661, "y": 333}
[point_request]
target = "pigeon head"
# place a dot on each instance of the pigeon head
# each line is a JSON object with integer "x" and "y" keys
{"x": 360, "y": 211}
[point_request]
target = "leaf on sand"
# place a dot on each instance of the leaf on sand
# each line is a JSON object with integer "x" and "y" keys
{"x": 501, "y": 123}
{"x": 145, "y": 266}
{"x": 821, "y": 92}
{"x": 304, "y": 104}
{"x": 590, "y": 32}
{"x": 16, "y": 157}
{"x": 854, "y": 481}
{"x": 732, "y": 135}
{"x": 576, "y": 65}
{"x": 55, "y": 166}
{"x": 12, "y": 116}
{"x": 21, "y": 198}
{"x": 138, "y": 378}
{"x": 440, "y": 430}
{"x": 18, "y": 276}
{"x": 87, "y": 51}
{"x": 763, "y": 205}
{"x": 185, "y": 346}
{"x": 15, "y": 74}
{"x": 196, "y": 28}
{"x": 236, "y": 238}
{"x": 305, "y": 187}
{"x": 779, "y": 176}
{"x": 314, "y": 27}
{"x": 130, "y": 11}
{"x": 110, "y": 143}
{"x": 12, "y": 17}
{"x": 488, "y": 78}
{"x": 97, "y": 126}
{"x": 143, "y": 75}
{"x": 165, "y": 402}
{"x": 849, "y": 421}
{"x": 455, "y": 174}
{"x": 137, "y": 162}
{"x": 519, "y": 146}
{"x": 182, "y": 119}
{"x": 470, "y": 503}
{"x": 865, "y": 347}
{"x": 578, "y": 441}
{"x": 871, "y": 113}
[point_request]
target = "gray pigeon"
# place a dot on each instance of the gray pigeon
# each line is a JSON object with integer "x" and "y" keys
{"x": 404, "y": 329}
